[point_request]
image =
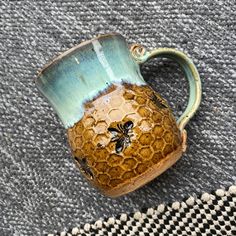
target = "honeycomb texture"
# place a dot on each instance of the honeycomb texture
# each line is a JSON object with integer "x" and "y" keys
{"x": 126, "y": 130}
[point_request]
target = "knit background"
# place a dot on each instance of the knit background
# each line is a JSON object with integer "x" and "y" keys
{"x": 41, "y": 190}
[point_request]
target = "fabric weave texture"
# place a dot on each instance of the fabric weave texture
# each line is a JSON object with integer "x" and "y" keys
{"x": 41, "y": 190}
{"x": 210, "y": 214}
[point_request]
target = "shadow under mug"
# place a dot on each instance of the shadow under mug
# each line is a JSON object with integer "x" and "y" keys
{"x": 121, "y": 132}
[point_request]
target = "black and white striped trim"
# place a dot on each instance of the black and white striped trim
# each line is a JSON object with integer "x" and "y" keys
{"x": 210, "y": 214}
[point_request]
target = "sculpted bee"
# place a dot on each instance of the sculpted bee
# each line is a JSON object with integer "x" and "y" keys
{"x": 121, "y": 135}
{"x": 82, "y": 162}
{"x": 160, "y": 103}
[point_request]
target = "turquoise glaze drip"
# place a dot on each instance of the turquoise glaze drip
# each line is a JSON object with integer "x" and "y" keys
{"x": 79, "y": 75}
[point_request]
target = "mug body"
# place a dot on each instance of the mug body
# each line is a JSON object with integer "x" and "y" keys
{"x": 121, "y": 132}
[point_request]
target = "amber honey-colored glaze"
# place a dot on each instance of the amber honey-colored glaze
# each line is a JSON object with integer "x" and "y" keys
{"x": 127, "y": 137}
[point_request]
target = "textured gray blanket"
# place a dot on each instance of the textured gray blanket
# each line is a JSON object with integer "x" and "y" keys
{"x": 41, "y": 190}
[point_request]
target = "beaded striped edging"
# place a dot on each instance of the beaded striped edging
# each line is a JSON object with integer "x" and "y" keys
{"x": 209, "y": 214}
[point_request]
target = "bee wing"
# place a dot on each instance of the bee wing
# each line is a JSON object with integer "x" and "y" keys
{"x": 120, "y": 145}
{"x": 115, "y": 133}
{"x": 115, "y": 138}
{"x": 111, "y": 129}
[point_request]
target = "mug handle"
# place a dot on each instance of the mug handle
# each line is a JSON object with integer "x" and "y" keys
{"x": 195, "y": 91}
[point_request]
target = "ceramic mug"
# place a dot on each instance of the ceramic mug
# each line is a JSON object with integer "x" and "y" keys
{"x": 121, "y": 132}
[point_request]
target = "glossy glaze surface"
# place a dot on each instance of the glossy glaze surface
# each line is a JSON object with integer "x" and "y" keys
{"x": 124, "y": 132}
{"x": 84, "y": 71}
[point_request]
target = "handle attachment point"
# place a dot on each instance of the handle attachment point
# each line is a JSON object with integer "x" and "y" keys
{"x": 138, "y": 52}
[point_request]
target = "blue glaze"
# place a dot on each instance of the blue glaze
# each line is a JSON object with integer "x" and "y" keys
{"x": 84, "y": 71}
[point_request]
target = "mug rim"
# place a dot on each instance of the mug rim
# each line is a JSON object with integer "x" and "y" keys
{"x": 70, "y": 50}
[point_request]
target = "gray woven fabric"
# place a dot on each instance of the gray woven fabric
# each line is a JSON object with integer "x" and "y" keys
{"x": 41, "y": 190}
